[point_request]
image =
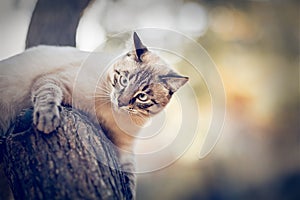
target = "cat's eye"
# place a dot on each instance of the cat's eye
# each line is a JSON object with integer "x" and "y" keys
{"x": 142, "y": 97}
{"x": 123, "y": 81}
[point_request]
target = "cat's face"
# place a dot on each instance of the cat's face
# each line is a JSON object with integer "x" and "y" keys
{"x": 142, "y": 83}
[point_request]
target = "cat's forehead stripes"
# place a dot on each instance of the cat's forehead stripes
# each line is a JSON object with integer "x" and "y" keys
{"x": 144, "y": 77}
{"x": 126, "y": 72}
{"x": 117, "y": 71}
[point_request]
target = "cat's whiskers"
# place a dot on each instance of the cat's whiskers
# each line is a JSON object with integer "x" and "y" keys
{"x": 102, "y": 99}
{"x": 105, "y": 90}
{"x": 102, "y": 85}
{"x": 102, "y": 94}
{"x": 137, "y": 117}
{"x": 140, "y": 120}
{"x": 102, "y": 104}
{"x": 103, "y": 79}
{"x": 140, "y": 115}
{"x": 133, "y": 117}
{"x": 99, "y": 96}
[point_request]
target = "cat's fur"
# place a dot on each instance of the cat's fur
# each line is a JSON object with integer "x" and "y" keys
{"x": 137, "y": 86}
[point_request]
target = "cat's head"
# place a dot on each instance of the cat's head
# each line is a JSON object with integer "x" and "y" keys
{"x": 142, "y": 83}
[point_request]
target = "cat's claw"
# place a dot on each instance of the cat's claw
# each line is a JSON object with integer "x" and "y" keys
{"x": 46, "y": 118}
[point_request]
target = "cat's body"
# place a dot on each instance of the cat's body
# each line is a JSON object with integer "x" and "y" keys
{"x": 21, "y": 77}
{"x": 19, "y": 73}
{"x": 136, "y": 87}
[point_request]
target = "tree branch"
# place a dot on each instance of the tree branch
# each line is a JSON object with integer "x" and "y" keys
{"x": 54, "y": 22}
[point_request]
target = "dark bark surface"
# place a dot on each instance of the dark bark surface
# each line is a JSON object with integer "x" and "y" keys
{"x": 70, "y": 163}
{"x": 54, "y": 22}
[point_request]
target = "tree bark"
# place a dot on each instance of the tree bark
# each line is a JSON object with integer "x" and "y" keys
{"x": 74, "y": 162}
{"x": 54, "y": 22}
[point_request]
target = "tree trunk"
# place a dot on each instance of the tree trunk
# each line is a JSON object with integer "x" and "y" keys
{"x": 75, "y": 162}
{"x": 54, "y": 22}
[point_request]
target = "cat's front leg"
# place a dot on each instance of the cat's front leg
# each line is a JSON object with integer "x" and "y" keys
{"x": 47, "y": 96}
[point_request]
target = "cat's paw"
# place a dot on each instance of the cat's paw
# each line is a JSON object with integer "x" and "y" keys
{"x": 46, "y": 118}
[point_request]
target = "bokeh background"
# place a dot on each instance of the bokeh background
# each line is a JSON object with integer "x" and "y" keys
{"x": 255, "y": 45}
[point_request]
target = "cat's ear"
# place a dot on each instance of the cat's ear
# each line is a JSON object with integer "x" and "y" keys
{"x": 140, "y": 48}
{"x": 173, "y": 81}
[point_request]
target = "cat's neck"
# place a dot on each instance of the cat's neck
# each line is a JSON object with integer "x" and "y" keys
{"x": 119, "y": 126}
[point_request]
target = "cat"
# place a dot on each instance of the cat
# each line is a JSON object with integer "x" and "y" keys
{"x": 136, "y": 87}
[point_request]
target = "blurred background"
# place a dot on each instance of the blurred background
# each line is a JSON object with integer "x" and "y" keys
{"x": 255, "y": 46}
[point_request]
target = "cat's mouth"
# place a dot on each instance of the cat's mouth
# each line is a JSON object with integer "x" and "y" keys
{"x": 132, "y": 111}
{"x": 129, "y": 109}
{"x": 137, "y": 116}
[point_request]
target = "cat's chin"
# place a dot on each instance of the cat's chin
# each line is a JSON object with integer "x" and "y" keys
{"x": 137, "y": 118}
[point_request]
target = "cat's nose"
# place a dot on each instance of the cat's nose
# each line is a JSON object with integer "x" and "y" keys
{"x": 123, "y": 101}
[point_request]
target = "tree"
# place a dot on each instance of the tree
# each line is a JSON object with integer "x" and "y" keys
{"x": 54, "y": 22}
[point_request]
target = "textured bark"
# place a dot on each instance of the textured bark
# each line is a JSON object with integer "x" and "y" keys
{"x": 54, "y": 22}
{"x": 70, "y": 163}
